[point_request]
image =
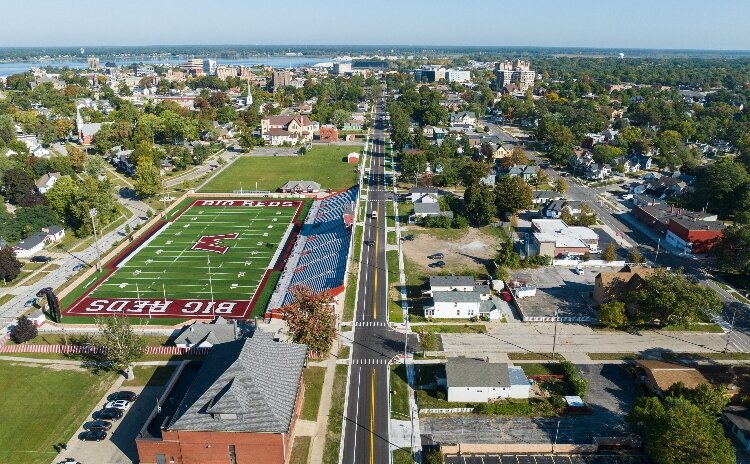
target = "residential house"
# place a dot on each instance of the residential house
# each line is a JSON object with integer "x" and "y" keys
{"x": 692, "y": 236}
{"x": 737, "y": 421}
{"x": 300, "y": 186}
{"x": 452, "y": 283}
{"x": 276, "y": 130}
{"x": 614, "y": 285}
{"x": 658, "y": 376}
{"x": 418, "y": 192}
{"x": 540, "y": 197}
{"x": 427, "y": 198}
{"x": 553, "y": 209}
{"x": 47, "y": 181}
{"x": 477, "y": 381}
{"x": 422, "y": 210}
{"x": 462, "y": 118}
{"x": 460, "y": 304}
{"x": 525, "y": 172}
{"x": 36, "y": 242}
{"x": 202, "y": 335}
{"x": 552, "y": 237}
{"x": 597, "y": 171}
{"x": 240, "y": 407}
{"x": 329, "y": 133}
{"x": 87, "y": 131}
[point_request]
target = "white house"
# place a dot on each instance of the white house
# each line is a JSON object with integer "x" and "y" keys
{"x": 47, "y": 181}
{"x": 35, "y": 243}
{"x": 458, "y": 297}
{"x": 450, "y": 284}
{"x": 463, "y": 118}
{"x": 476, "y": 381}
{"x": 418, "y": 192}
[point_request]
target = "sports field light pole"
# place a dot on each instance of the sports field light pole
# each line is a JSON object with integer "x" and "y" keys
{"x": 92, "y": 215}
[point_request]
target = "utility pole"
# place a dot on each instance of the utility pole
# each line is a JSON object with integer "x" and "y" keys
{"x": 92, "y": 215}
{"x": 731, "y": 330}
{"x": 658, "y": 244}
{"x": 554, "y": 338}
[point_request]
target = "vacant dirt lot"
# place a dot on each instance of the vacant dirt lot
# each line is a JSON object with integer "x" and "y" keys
{"x": 465, "y": 250}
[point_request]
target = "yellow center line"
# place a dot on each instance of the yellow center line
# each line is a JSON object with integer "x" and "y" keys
{"x": 372, "y": 418}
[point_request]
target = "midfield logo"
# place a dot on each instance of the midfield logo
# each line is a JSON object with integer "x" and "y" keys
{"x": 213, "y": 243}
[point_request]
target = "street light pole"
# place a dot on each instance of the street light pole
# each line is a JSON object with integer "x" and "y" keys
{"x": 554, "y": 338}
{"x": 658, "y": 244}
{"x": 731, "y": 330}
{"x": 92, "y": 215}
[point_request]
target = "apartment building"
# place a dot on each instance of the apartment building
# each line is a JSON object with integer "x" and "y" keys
{"x": 281, "y": 78}
{"x": 514, "y": 75}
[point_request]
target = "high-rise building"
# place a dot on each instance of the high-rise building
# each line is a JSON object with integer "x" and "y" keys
{"x": 458, "y": 75}
{"x": 342, "y": 68}
{"x": 93, "y": 63}
{"x": 225, "y": 72}
{"x": 281, "y": 78}
{"x": 430, "y": 73}
{"x": 193, "y": 66}
{"x": 516, "y": 74}
{"x": 209, "y": 67}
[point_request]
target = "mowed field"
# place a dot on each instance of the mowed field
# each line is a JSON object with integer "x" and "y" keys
{"x": 41, "y": 406}
{"x": 170, "y": 264}
{"x": 322, "y": 164}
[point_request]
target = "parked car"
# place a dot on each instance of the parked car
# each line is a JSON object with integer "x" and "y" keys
{"x": 579, "y": 270}
{"x": 409, "y": 237}
{"x": 438, "y": 264}
{"x": 29, "y": 302}
{"x": 78, "y": 267}
{"x": 97, "y": 425}
{"x": 436, "y": 256}
{"x": 123, "y": 395}
{"x": 41, "y": 259}
{"x": 92, "y": 435}
{"x": 109, "y": 414}
{"x": 118, "y": 404}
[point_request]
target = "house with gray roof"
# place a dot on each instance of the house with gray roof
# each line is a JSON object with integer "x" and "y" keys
{"x": 525, "y": 172}
{"x": 36, "y": 242}
{"x": 243, "y": 402}
{"x": 423, "y": 210}
{"x": 202, "y": 335}
{"x": 477, "y": 381}
{"x": 458, "y": 297}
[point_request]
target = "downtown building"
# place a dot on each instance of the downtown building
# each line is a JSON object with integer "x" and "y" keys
{"x": 514, "y": 76}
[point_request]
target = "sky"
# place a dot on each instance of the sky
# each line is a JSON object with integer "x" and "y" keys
{"x": 658, "y": 24}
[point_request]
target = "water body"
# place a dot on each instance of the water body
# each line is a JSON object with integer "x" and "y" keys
{"x": 8, "y": 68}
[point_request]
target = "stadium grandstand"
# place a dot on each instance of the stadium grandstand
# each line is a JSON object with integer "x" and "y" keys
{"x": 320, "y": 255}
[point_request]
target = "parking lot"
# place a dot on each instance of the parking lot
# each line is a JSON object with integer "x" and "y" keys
{"x": 119, "y": 446}
{"x": 561, "y": 289}
{"x": 546, "y": 459}
{"x": 610, "y": 395}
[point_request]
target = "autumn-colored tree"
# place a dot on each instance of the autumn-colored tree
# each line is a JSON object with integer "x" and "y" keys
{"x": 311, "y": 319}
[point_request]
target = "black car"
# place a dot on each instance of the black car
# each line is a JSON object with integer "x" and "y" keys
{"x": 41, "y": 259}
{"x": 109, "y": 414}
{"x": 123, "y": 395}
{"x": 437, "y": 264}
{"x": 92, "y": 435}
{"x": 409, "y": 237}
{"x": 436, "y": 256}
{"x": 97, "y": 425}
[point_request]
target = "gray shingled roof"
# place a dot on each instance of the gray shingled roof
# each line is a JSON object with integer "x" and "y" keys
{"x": 219, "y": 331}
{"x": 451, "y": 281}
{"x": 456, "y": 297}
{"x": 467, "y": 372}
{"x": 248, "y": 385}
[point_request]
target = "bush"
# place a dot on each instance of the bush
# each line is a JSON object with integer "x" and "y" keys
{"x": 24, "y": 330}
{"x": 437, "y": 222}
{"x": 612, "y": 314}
{"x": 460, "y": 222}
{"x": 531, "y": 407}
{"x": 538, "y": 260}
{"x": 578, "y": 383}
{"x": 501, "y": 273}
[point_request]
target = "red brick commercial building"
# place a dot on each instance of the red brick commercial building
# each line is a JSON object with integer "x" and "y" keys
{"x": 694, "y": 237}
{"x": 239, "y": 407}
{"x": 658, "y": 215}
{"x": 329, "y": 133}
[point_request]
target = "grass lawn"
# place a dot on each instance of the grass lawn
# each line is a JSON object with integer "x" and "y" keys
{"x": 333, "y": 432}
{"x": 6, "y": 298}
{"x": 402, "y": 456}
{"x": 729, "y": 356}
{"x": 150, "y": 376}
{"x": 451, "y": 328}
{"x": 712, "y": 328}
{"x": 313, "y": 377}
{"x": 300, "y": 450}
{"x": 399, "y": 393}
{"x": 322, "y": 164}
{"x": 59, "y": 339}
{"x": 436, "y": 399}
{"x": 395, "y": 312}
{"x": 522, "y": 356}
{"x": 531, "y": 369}
{"x": 343, "y": 352}
{"x": 42, "y": 406}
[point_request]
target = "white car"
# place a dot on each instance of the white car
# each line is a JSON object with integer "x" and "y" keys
{"x": 119, "y": 404}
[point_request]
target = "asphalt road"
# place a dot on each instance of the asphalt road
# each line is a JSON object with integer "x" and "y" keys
{"x": 366, "y": 429}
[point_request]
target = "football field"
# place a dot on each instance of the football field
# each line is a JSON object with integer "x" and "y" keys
{"x": 209, "y": 260}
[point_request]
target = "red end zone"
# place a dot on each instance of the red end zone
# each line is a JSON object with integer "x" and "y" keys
{"x": 177, "y": 308}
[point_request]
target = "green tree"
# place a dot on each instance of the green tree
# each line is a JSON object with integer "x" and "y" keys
{"x": 61, "y": 196}
{"x": 340, "y": 117}
{"x": 479, "y": 203}
{"x": 612, "y": 314}
{"x": 76, "y": 156}
{"x": 708, "y": 398}
{"x": 635, "y": 256}
{"x": 561, "y": 186}
{"x": 147, "y": 179}
{"x": 311, "y": 320}
{"x": 23, "y": 331}
{"x": 512, "y": 194}
{"x": 10, "y": 266}
{"x": 672, "y": 298}
{"x": 428, "y": 341}
{"x": 93, "y": 193}
{"x": 17, "y": 183}
{"x": 610, "y": 253}
{"x": 94, "y": 165}
{"x": 121, "y": 344}
{"x": 413, "y": 164}
{"x": 733, "y": 252}
{"x": 433, "y": 457}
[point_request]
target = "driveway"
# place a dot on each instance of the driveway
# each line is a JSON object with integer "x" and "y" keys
{"x": 611, "y": 394}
